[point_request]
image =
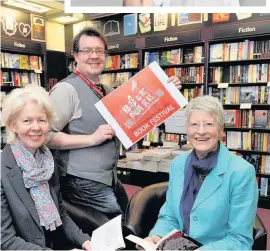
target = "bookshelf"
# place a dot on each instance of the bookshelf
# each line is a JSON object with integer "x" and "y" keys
{"x": 239, "y": 75}
{"x": 22, "y": 63}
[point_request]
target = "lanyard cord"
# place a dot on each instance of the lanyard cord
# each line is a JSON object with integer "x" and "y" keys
{"x": 100, "y": 94}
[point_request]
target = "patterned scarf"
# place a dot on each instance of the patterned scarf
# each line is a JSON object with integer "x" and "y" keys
{"x": 37, "y": 170}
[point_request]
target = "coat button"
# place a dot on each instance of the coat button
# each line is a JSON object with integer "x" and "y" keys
{"x": 195, "y": 218}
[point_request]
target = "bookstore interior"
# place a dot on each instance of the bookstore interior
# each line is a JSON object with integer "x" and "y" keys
{"x": 225, "y": 55}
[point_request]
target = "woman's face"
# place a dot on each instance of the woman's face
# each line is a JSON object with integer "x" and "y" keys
{"x": 203, "y": 132}
{"x": 31, "y": 126}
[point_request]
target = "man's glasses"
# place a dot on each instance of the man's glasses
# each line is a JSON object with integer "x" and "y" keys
{"x": 88, "y": 51}
{"x": 196, "y": 125}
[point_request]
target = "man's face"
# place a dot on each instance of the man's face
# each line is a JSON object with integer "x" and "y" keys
{"x": 90, "y": 63}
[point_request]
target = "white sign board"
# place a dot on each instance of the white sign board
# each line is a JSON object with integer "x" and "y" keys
{"x": 176, "y": 123}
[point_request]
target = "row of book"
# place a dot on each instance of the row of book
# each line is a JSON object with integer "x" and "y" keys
{"x": 174, "y": 56}
{"x": 260, "y": 162}
{"x": 18, "y": 61}
{"x": 254, "y": 73}
{"x": 239, "y": 51}
{"x": 247, "y": 118}
{"x": 242, "y": 95}
{"x": 14, "y": 78}
{"x": 191, "y": 93}
{"x": 187, "y": 75}
{"x": 125, "y": 61}
{"x": 248, "y": 140}
{"x": 115, "y": 79}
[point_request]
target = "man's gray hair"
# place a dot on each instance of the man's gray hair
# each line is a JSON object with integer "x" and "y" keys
{"x": 207, "y": 104}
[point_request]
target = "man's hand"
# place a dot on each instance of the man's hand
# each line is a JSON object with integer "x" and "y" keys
{"x": 176, "y": 81}
{"x": 103, "y": 133}
{"x": 154, "y": 239}
{"x": 87, "y": 245}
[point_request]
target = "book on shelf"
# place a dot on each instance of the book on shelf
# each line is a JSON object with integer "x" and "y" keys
{"x": 24, "y": 62}
{"x": 14, "y": 61}
{"x": 264, "y": 187}
{"x": 175, "y": 240}
{"x": 261, "y": 119}
{"x": 231, "y": 118}
{"x": 34, "y": 62}
{"x": 189, "y": 55}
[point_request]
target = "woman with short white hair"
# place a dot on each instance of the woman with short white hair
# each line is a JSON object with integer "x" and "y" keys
{"x": 213, "y": 193}
{"x": 32, "y": 211}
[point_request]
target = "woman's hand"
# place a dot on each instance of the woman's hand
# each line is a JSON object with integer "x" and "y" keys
{"x": 176, "y": 81}
{"x": 87, "y": 245}
{"x": 154, "y": 239}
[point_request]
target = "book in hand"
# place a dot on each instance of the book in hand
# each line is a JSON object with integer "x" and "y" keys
{"x": 175, "y": 240}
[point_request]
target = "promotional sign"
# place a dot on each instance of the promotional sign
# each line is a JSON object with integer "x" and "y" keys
{"x": 145, "y": 101}
{"x": 38, "y": 28}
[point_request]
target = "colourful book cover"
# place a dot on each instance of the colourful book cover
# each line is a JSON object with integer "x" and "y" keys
{"x": 141, "y": 104}
{"x": 34, "y": 62}
{"x": 216, "y": 53}
{"x": 14, "y": 61}
{"x": 230, "y": 118}
{"x": 260, "y": 119}
{"x": 24, "y": 62}
{"x": 130, "y": 24}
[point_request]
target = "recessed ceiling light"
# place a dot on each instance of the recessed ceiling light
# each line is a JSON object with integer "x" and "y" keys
{"x": 66, "y": 19}
{"x": 27, "y": 5}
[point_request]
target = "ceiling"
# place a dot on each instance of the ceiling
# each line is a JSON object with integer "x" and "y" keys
{"x": 58, "y": 9}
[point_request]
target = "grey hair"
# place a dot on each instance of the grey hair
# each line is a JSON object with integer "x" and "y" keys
{"x": 17, "y": 99}
{"x": 207, "y": 104}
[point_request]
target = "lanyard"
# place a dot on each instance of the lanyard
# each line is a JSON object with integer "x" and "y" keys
{"x": 91, "y": 85}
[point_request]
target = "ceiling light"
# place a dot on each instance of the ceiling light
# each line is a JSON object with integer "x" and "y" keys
{"x": 66, "y": 19}
{"x": 27, "y": 5}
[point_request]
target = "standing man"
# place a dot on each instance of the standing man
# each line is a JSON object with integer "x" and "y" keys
{"x": 87, "y": 149}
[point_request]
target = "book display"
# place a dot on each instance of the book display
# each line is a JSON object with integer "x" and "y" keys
{"x": 22, "y": 65}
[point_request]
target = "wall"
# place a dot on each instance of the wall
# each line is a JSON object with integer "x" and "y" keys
{"x": 55, "y": 36}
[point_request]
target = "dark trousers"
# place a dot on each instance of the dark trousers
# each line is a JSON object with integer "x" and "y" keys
{"x": 110, "y": 200}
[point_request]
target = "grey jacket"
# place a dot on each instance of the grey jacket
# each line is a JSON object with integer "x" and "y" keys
{"x": 20, "y": 226}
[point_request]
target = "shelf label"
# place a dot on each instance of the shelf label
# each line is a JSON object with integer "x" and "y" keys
{"x": 37, "y": 71}
{"x": 126, "y": 44}
{"x": 242, "y": 29}
{"x": 223, "y": 85}
{"x": 268, "y": 84}
{"x": 245, "y": 106}
{"x": 146, "y": 143}
{"x": 185, "y": 36}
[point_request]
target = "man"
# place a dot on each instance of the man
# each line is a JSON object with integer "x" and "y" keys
{"x": 180, "y": 2}
{"x": 87, "y": 149}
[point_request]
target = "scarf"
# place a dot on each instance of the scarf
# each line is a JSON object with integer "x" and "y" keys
{"x": 37, "y": 170}
{"x": 195, "y": 172}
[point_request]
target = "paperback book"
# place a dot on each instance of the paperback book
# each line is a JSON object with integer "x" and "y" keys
{"x": 175, "y": 240}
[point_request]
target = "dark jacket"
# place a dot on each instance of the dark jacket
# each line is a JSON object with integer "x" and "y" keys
{"x": 20, "y": 225}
